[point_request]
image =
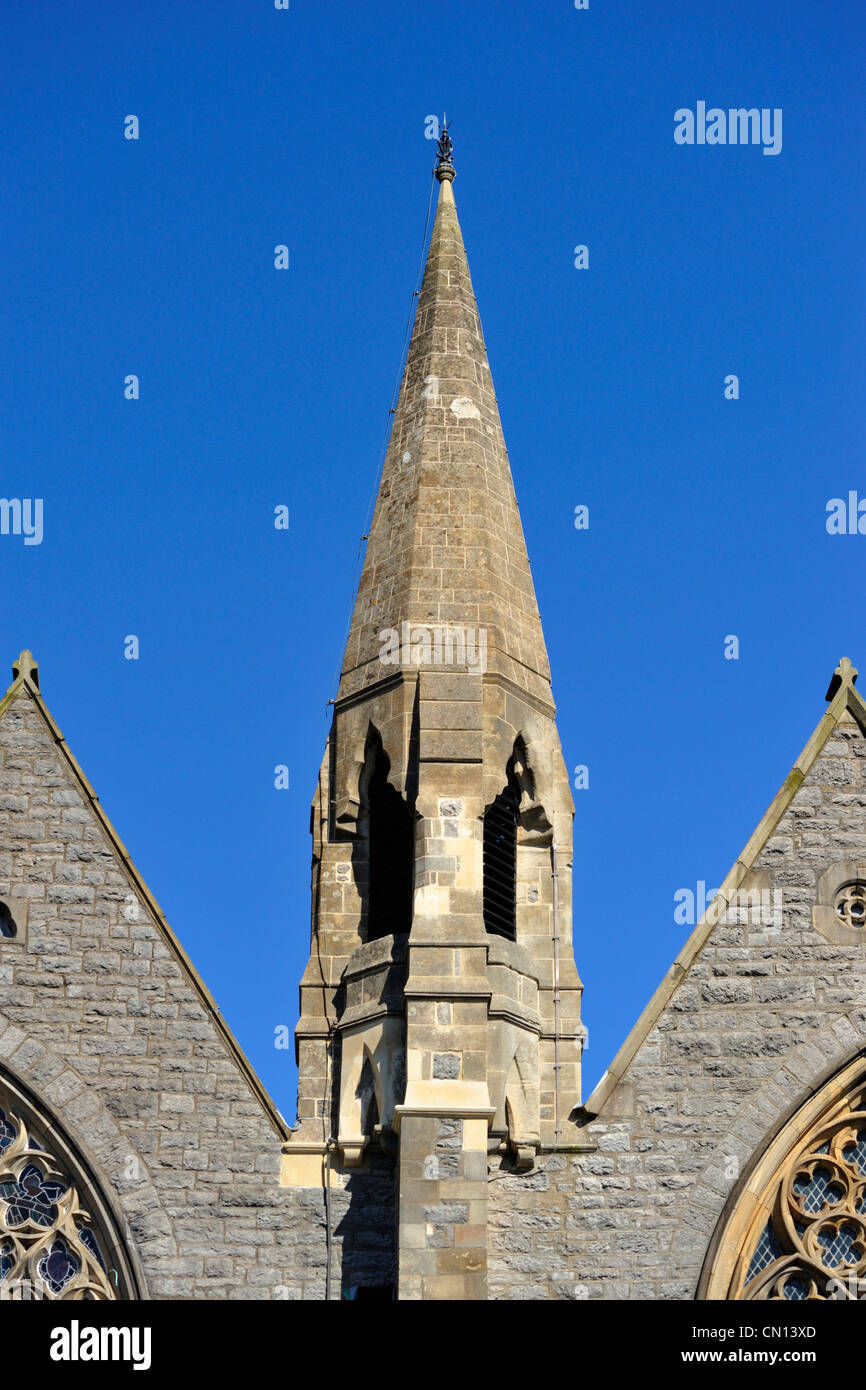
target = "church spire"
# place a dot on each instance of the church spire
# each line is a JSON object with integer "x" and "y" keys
{"x": 440, "y": 1006}
{"x": 446, "y": 550}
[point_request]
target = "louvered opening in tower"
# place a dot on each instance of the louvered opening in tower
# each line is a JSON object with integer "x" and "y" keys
{"x": 392, "y": 857}
{"x": 500, "y": 865}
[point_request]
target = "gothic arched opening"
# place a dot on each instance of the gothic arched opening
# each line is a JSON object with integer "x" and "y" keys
{"x": 391, "y": 845}
{"x": 58, "y": 1236}
{"x": 366, "y": 1094}
{"x": 500, "y": 860}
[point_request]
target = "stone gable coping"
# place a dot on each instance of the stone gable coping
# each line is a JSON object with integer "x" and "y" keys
{"x": 26, "y": 683}
{"x": 844, "y": 698}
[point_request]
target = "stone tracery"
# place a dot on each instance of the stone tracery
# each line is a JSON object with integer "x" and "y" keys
{"x": 807, "y": 1240}
{"x": 48, "y": 1248}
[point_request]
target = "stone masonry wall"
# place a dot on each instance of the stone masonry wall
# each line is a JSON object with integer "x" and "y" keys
{"x": 97, "y": 1015}
{"x": 766, "y": 1011}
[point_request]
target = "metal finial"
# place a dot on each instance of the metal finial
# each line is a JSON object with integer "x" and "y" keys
{"x": 444, "y": 148}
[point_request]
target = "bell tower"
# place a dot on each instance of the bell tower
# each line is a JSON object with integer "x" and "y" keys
{"x": 440, "y": 1008}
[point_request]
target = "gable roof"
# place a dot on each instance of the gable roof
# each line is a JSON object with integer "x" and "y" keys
{"x": 26, "y": 683}
{"x": 843, "y": 699}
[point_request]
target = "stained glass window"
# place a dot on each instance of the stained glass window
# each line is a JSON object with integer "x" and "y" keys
{"x": 813, "y": 1244}
{"x": 817, "y": 1190}
{"x": 7, "y": 1131}
{"x": 31, "y": 1198}
{"x": 58, "y": 1265}
{"x": 48, "y": 1246}
{"x": 88, "y": 1239}
{"x": 767, "y": 1250}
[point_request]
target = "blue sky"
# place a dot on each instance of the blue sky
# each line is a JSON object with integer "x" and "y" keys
{"x": 259, "y": 387}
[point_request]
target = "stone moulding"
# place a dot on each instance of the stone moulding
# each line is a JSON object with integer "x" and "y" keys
{"x": 825, "y": 918}
{"x": 377, "y": 1043}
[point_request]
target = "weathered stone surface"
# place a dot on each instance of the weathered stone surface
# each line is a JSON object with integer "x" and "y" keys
{"x": 711, "y": 1082}
{"x": 159, "y": 1103}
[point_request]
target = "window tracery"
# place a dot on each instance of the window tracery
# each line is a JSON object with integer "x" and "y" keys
{"x": 807, "y": 1238}
{"x": 48, "y": 1247}
{"x": 850, "y": 904}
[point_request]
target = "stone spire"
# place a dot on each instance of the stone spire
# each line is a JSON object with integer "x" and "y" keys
{"x": 446, "y": 544}
{"x": 440, "y": 1021}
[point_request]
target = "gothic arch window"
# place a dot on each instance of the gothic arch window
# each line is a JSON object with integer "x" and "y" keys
{"x": 58, "y": 1240}
{"x": 500, "y": 860}
{"x": 8, "y": 926}
{"x": 366, "y": 1094}
{"x": 391, "y": 841}
{"x": 798, "y": 1231}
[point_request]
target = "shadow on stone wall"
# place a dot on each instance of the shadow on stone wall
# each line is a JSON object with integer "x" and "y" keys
{"x": 365, "y": 1224}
